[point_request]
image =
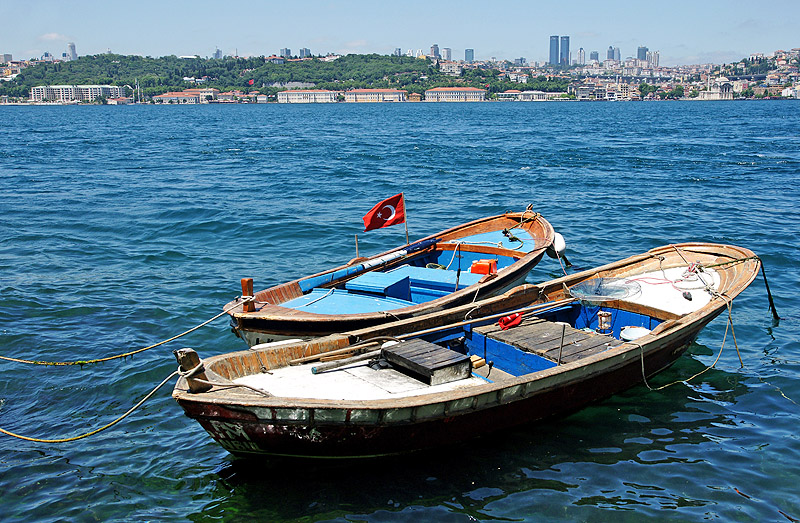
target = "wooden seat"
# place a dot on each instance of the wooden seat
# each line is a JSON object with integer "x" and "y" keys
{"x": 543, "y": 338}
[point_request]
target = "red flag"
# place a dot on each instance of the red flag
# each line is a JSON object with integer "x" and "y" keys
{"x": 251, "y": 81}
{"x": 390, "y": 211}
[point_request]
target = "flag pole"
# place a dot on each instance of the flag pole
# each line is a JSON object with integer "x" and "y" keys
{"x": 405, "y": 211}
{"x": 356, "y": 245}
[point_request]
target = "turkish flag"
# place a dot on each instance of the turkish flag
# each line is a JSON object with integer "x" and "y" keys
{"x": 390, "y": 211}
{"x": 251, "y": 81}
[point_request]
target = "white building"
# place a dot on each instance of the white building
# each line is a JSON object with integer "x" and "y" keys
{"x": 455, "y": 94}
{"x": 307, "y": 96}
{"x": 375, "y": 95}
{"x": 69, "y": 93}
{"x": 450, "y": 68}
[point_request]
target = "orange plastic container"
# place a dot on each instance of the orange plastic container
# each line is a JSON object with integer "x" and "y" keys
{"x": 484, "y": 267}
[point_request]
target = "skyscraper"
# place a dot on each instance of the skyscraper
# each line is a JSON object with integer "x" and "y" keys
{"x": 617, "y": 54}
{"x": 286, "y": 52}
{"x": 610, "y": 53}
{"x": 594, "y": 56}
{"x": 305, "y": 52}
{"x": 435, "y": 51}
{"x": 581, "y": 56}
{"x": 469, "y": 55}
{"x": 447, "y": 54}
{"x": 73, "y": 55}
{"x": 563, "y": 57}
{"x": 641, "y": 53}
{"x": 217, "y": 54}
{"x": 553, "y": 50}
{"x": 398, "y": 51}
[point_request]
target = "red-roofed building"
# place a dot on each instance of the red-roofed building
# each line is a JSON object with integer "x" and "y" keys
{"x": 177, "y": 98}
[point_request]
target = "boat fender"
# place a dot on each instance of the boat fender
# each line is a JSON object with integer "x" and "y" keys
{"x": 511, "y": 320}
{"x": 558, "y": 247}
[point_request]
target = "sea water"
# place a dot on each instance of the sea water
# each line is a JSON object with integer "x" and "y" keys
{"x": 123, "y": 226}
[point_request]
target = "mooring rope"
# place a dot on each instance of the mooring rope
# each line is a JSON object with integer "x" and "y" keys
{"x": 104, "y": 427}
{"x": 131, "y": 353}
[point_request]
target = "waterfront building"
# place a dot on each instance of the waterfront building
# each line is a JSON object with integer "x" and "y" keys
{"x": 581, "y": 56}
{"x": 177, "y": 98}
{"x": 641, "y": 53}
{"x": 594, "y": 56}
{"x": 469, "y": 55}
{"x": 375, "y": 95}
{"x": 70, "y": 93}
{"x": 204, "y": 93}
{"x": 435, "y": 51}
{"x": 455, "y": 94}
{"x": 73, "y": 55}
{"x": 554, "y": 56}
{"x": 286, "y": 52}
{"x": 563, "y": 56}
{"x": 447, "y": 54}
{"x": 306, "y": 96}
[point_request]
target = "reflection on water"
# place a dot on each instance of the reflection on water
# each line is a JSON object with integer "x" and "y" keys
{"x": 625, "y": 451}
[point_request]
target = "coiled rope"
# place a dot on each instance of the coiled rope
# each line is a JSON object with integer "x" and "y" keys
{"x": 245, "y": 299}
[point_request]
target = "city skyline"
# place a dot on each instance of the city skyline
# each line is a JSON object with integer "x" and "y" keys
{"x": 714, "y": 32}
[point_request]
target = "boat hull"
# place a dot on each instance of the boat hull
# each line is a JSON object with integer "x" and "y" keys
{"x": 342, "y": 433}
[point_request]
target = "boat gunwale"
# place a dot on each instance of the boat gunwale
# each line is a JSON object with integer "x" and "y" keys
{"x": 270, "y": 311}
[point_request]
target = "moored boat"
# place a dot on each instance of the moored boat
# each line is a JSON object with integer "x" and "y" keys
{"x": 428, "y": 381}
{"x": 460, "y": 265}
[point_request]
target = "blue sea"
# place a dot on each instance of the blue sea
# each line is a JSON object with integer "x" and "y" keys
{"x": 123, "y": 226}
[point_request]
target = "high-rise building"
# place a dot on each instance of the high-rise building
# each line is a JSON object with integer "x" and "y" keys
{"x": 641, "y": 53}
{"x": 217, "y": 53}
{"x": 435, "y": 51}
{"x": 398, "y": 51}
{"x": 563, "y": 56}
{"x": 447, "y": 54}
{"x": 5, "y": 58}
{"x": 581, "y": 56}
{"x": 594, "y": 56}
{"x": 73, "y": 55}
{"x": 469, "y": 55}
{"x": 286, "y": 53}
{"x": 305, "y": 52}
{"x": 652, "y": 58}
{"x": 617, "y": 54}
{"x": 610, "y": 53}
{"x": 554, "y": 57}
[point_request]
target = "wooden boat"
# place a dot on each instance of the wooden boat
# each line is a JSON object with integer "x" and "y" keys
{"x": 457, "y": 374}
{"x": 475, "y": 260}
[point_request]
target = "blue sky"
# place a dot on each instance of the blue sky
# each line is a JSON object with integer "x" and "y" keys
{"x": 690, "y": 32}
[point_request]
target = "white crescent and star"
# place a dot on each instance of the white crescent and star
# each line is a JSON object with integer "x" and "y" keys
{"x": 391, "y": 210}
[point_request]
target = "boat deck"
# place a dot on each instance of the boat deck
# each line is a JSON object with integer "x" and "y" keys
{"x": 543, "y": 338}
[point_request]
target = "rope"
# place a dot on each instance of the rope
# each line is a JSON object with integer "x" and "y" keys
{"x": 729, "y": 304}
{"x": 100, "y": 360}
{"x": 104, "y": 427}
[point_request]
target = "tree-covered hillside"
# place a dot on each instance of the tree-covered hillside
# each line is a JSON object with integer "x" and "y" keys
{"x": 159, "y": 75}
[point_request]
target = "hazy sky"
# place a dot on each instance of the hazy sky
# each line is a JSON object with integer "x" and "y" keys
{"x": 684, "y": 32}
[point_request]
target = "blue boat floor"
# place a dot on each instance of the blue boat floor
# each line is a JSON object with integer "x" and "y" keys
{"x": 339, "y": 301}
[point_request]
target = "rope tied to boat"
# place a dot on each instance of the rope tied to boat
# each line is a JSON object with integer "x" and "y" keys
{"x": 729, "y": 326}
{"x": 240, "y": 302}
{"x": 96, "y": 431}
